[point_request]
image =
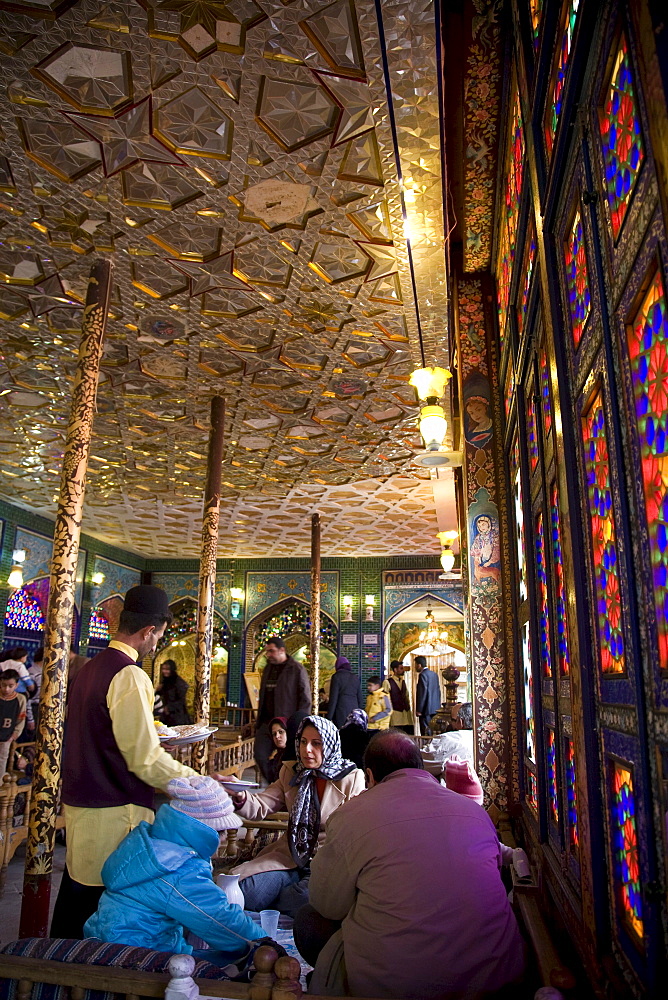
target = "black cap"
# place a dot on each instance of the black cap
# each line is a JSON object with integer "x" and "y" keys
{"x": 147, "y": 600}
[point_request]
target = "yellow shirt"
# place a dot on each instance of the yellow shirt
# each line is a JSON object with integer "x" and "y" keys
{"x": 399, "y": 718}
{"x": 377, "y": 702}
{"x": 93, "y": 834}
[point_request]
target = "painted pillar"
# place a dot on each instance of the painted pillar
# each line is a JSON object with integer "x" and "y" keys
{"x": 483, "y": 496}
{"x": 207, "y": 577}
{"x": 315, "y": 609}
{"x": 57, "y": 632}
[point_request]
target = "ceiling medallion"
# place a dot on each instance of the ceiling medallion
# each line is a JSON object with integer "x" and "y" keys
{"x": 293, "y": 113}
{"x": 95, "y": 80}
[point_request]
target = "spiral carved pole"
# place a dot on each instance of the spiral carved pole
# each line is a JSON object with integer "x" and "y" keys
{"x": 58, "y": 630}
{"x": 315, "y": 609}
{"x": 207, "y": 578}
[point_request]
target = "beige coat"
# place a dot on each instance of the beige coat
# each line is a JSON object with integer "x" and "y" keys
{"x": 280, "y": 796}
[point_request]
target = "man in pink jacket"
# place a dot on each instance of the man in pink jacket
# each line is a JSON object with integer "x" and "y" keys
{"x": 409, "y": 874}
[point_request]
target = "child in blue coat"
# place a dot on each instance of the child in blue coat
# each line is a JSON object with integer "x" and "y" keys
{"x": 158, "y": 881}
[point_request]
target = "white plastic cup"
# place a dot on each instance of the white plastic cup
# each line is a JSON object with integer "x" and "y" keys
{"x": 269, "y": 922}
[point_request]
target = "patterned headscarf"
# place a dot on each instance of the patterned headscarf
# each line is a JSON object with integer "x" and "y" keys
{"x": 357, "y": 717}
{"x": 304, "y": 822}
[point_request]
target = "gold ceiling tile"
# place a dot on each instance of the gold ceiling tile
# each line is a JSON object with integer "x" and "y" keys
{"x": 294, "y": 114}
{"x": 276, "y": 203}
{"x": 20, "y": 268}
{"x": 335, "y": 34}
{"x": 151, "y": 185}
{"x": 362, "y": 353}
{"x": 59, "y": 147}
{"x": 373, "y": 222}
{"x": 125, "y": 139}
{"x": 354, "y": 97}
{"x": 189, "y": 241}
{"x": 95, "y": 80}
{"x": 163, "y": 69}
{"x": 361, "y": 161}
{"x": 156, "y": 278}
{"x": 246, "y": 338}
{"x": 335, "y": 262}
{"x": 6, "y": 177}
{"x": 230, "y": 303}
{"x": 193, "y": 125}
{"x": 384, "y": 261}
{"x": 387, "y": 290}
{"x": 110, "y": 17}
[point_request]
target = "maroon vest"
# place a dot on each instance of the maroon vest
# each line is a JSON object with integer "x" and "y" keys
{"x": 94, "y": 773}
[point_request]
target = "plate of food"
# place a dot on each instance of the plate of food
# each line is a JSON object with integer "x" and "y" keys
{"x": 178, "y": 736}
{"x": 237, "y": 786}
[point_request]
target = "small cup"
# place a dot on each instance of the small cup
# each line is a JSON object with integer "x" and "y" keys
{"x": 269, "y": 922}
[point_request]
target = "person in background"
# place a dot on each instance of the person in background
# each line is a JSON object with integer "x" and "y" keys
{"x": 378, "y": 707}
{"x": 310, "y": 789}
{"x": 345, "y": 692}
{"x": 158, "y": 882}
{"x": 461, "y": 725}
{"x": 355, "y": 736}
{"x": 395, "y": 686}
{"x": 112, "y": 757}
{"x": 12, "y": 714}
{"x": 16, "y": 660}
{"x": 387, "y": 918}
{"x": 172, "y": 691}
{"x": 427, "y": 696}
{"x": 284, "y": 690}
{"x": 323, "y": 702}
{"x": 278, "y": 728}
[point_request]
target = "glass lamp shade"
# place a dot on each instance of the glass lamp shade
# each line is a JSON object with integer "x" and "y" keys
{"x": 15, "y": 578}
{"x": 236, "y": 593}
{"x": 433, "y": 426}
{"x": 447, "y": 560}
{"x": 430, "y": 382}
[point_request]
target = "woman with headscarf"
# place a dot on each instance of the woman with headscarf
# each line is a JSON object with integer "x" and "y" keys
{"x": 278, "y": 728}
{"x": 345, "y": 692}
{"x": 310, "y": 789}
{"x": 172, "y": 694}
{"x": 355, "y": 736}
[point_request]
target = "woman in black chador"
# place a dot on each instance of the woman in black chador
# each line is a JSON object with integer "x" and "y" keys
{"x": 171, "y": 696}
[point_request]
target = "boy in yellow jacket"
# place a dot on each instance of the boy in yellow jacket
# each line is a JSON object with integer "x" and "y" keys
{"x": 378, "y": 705}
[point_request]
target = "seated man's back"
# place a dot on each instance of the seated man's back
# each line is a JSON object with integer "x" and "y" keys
{"x": 412, "y": 869}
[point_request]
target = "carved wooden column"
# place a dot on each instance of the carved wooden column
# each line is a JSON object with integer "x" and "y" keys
{"x": 315, "y": 609}
{"x": 484, "y": 498}
{"x": 58, "y": 629}
{"x": 207, "y": 577}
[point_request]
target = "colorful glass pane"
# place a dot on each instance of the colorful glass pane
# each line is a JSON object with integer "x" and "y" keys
{"x": 554, "y": 107}
{"x": 623, "y": 151}
{"x": 604, "y": 540}
{"x": 571, "y": 797}
{"x": 648, "y": 351}
{"x": 543, "y": 600}
{"x": 625, "y": 848}
{"x": 503, "y": 276}
{"x": 532, "y": 791}
{"x": 559, "y": 588}
{"x": 98, "y": 627}
{"x": 532, "y": 432}
{"x": 577, "y": 278}
{"x": 536, "y": 9}
{"x": 519, "y": 524}
{"x": 552, "y": 775}
{"x": 545, "y": 395}
{"x": 23, "y": 612}
{"x": 509, "y": 215}
{"x": 530, "y": 726}
{"x": 509, "y": 387}
{"x": 527, "y": 271}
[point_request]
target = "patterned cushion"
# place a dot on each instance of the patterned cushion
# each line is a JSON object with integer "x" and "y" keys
{"x": 91, "y": 952}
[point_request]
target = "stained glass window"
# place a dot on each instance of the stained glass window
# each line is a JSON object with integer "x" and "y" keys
{"x": 555, "y": 105}
{"x": 23, "y": 612}
{"x": 543, "y": 600}
{"x": 545, "y": 395}
{"x": 519, "y": 524}
{"x": 532, "y": 790}
{"x": 509, "y": 387}
{"x": 648, "y": 351}
{"x": 536, "y": 9}
{"x": 530, "y": 726}
{"x": 527, "y": 271}
{"x": 509, "y": 215}
{"x": 577, "y": 278}
{"x": 571, "y": 797}
{"x": 98, "y": 627}
{"x": 623, "y": 151}
{"x": 552, "y": 775}
{"x": 559, "y": 588}
{"x": 532, "y": 432}
{"x": 625, "y": 848}
{"x": 603, "y": 539}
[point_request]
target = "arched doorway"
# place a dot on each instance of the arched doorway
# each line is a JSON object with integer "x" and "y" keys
{"x": 179, "y": 644}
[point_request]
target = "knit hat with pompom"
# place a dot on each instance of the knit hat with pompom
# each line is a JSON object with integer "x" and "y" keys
{"x": 204, "y": 799}
{"x": 460, "y": 777}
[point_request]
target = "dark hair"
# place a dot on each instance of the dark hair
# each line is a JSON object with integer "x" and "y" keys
{"x": 374, "y": 679}
{"x": 466, "y": 715}
{"x": 422, "y": 660}
{"x": 131, "y": 622}
{"x": 394, "y": 664}
{"x": 18, "y": 652}
{"x": 38, "y": 655}
{"x": 10, "y": 675}
{"x": 275, "y": 640}
{"x": 389, "y": 751}
{"x": 169, "y": 663}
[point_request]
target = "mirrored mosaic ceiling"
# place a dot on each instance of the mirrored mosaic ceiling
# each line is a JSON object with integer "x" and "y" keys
{"x": 236, "y": 162}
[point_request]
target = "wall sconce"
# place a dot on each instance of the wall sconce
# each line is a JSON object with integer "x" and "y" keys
{"x": 348, "y": 607}
{"x": 15, "y": 578}
{"x": 97, "y": 579}
{"x": 430, "y": 385}
{"x": 370, "y": 601}
{"x": 447, "y": 539}
{"x": 237, "y": 595}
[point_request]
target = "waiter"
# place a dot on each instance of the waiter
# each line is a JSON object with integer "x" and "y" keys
{"x": 112, "y": 758}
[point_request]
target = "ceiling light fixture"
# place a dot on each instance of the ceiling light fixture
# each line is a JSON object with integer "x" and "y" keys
{"x": 430, "y": 384}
